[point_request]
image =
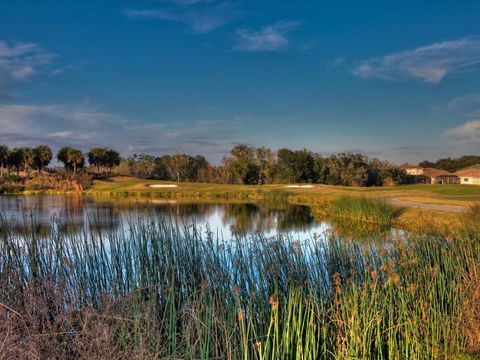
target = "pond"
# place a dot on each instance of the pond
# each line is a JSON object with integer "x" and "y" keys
{"x": 222, "y": 218}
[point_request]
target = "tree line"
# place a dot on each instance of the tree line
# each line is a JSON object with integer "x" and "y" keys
{"x": 244, "y": 165}
{"x": 260, "y": 165}
{"x": 450, "y": 164}
{"x": 39, "y": 157}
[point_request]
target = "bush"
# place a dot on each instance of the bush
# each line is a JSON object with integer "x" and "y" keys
{"x": 11, "y": 189}
{"x": 12, "y": 178}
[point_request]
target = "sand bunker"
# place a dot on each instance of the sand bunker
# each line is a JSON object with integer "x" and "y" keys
{"x": 162, "y": 185}
{"x": 299, "y": 186}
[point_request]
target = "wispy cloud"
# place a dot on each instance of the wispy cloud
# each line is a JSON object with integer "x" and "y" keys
{"x": 85, "y": 125}
{"x": 5, "y": 96}
{"x": 465, "y": 105}
{"x": 467, "y": 101}
{"x": 190, "y": 2}
{"x": 20, "y": 61}
{"x": 54, "y": 124}
{"x": 270, "y": 38}
{"x": 430, "y": 63}
{"x": 200, "y": 20}
{"x": 62, "y": 134}
{"x": 468, "y": 132}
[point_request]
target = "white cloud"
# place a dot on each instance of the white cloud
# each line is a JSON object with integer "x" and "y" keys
{"x": 20, "y": 61}
{"x": 468, "y": 132}
{"x": 85, "y": 126}
{"x": 62, "y": 134}
{"x": 270, "y": 38}
{"x": 200, "y": 21}
{"x": 466, "y": 105}
{"x": 430, "y": 63}
{"x": 465, "y": 101}
{"x": 54, "y": 124}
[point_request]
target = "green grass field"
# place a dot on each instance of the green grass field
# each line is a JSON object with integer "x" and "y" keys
{"x": 447, "y": 194}
{"x": 416, "y": 198}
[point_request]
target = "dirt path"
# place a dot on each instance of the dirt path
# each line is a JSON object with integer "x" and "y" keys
{"x": 429, "y": 206}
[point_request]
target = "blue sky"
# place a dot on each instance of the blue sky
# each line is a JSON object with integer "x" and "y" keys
{"x": 395, "y": 80}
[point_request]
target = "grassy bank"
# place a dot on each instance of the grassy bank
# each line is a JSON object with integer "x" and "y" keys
{"x": 160, "y": 291}
{"x": 446, "y": 194}
{"x": 319, "y": 197}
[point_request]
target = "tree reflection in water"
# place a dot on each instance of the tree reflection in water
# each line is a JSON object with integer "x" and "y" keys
{"x": 74, "y": 213}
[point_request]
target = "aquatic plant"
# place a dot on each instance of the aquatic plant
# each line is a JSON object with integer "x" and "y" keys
{"x": 364, "y": 209}
{"x": 158, "y": 290}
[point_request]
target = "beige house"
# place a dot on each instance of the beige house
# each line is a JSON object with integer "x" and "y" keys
{"x": 411, "y": 169}
{"x": 469, "y": 175}
{"x": 436, "y": 176}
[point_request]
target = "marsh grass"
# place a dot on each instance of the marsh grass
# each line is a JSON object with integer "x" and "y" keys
{"x": 157, "y": 290}
{"x": 364, "y": 209}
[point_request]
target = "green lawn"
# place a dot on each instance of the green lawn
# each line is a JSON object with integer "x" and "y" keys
{"x": 316, "y": 197}
{"x": 424, "y": 193}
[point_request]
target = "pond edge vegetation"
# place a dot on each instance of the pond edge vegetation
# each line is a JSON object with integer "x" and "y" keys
{"x": 162, "y": 291}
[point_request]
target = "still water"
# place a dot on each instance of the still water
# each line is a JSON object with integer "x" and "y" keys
{"x": 222, "y": 219}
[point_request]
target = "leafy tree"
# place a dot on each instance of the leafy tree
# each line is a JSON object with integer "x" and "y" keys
{"x": 348, "y": 169}
{"x": 162, "y": 169}
{"x": 202, "y": 167}
{"x": 42, "y": 155}
{"x": 96, "y": 157}
{"x": 426, "y": 164}
{"x": 385, "y": 173}
{"x": 295, "y": 166}
{"x": 183, "y": 167}
{"x": 243, "y": 165}
{"x": 267, "y": 163}
{"x": 452, "y": 165}
{"x": 3, "y": 157}
{"x": 286, "y": 169}
{"x": 142, "y": 165}
{"x": 320, "y": 169}
{"x": 71, "y": 158}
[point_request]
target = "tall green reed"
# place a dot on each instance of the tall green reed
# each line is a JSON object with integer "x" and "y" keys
{"x": 377, "y": 211}
{"x": 155, "y": 289}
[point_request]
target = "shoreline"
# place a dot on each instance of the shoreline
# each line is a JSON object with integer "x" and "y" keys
{"x": 427, "y": 210}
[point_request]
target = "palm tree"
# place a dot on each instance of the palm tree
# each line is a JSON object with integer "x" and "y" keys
{"x": 96, "y": 157}
{"x": 28, "y": 157}
{"x": 112, "y": 158}
{"x": 75, "y": 158}
{"x": 15, "y": 159}
{"x": 71, "y": 158}
{"x": 42, "y": 156}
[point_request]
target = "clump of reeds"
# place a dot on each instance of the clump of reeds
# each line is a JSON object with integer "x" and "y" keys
{"x": 364, "y": 209}
{"x": 152, "y": 289}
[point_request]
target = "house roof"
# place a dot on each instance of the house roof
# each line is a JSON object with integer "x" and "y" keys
{"x": 472, "y": 167}
{"x": 433, "y": 173}
{"x": 470, "y": 171}
{"x": 408, "y": 166}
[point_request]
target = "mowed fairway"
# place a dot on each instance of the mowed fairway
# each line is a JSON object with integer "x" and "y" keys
{"x": 461, "y": 195}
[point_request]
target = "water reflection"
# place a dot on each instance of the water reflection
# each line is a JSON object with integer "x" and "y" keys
{"x": 74, "y": 214}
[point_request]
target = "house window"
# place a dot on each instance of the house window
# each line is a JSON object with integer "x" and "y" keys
{"x": 465, "y": 180}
